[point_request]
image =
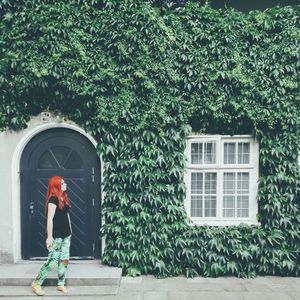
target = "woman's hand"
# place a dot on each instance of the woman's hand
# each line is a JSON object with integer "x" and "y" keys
{"x": 49, "y": 242}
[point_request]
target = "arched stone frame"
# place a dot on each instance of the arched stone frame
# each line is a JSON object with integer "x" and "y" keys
{"x": 15, "y": 188}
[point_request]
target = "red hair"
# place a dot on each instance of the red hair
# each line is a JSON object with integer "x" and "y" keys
{"x": 54, "y": 189}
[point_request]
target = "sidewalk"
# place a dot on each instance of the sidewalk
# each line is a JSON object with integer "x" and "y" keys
{"x": 181, "y": 288}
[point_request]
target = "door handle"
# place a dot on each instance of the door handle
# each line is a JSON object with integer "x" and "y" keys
{"x": 31, "y": 207}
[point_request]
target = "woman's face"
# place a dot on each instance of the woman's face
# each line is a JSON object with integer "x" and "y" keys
{"x": 63, "y": 186}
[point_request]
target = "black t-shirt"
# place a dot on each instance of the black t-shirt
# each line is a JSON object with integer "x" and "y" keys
{"x": 61, "y": 224}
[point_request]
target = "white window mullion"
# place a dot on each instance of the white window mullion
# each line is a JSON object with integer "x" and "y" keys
{"x": 219, "y": 194}
{"x": 219, "y": 158}
{"x": 188, "y": 192}
{"x": 236, "y": 153}
{"x": 203, "y": 194}
{"x": 252, "y": 196}
{"x": 235, "y": 194}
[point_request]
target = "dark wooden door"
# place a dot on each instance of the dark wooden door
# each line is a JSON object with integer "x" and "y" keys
{"x": 69, "y": 154}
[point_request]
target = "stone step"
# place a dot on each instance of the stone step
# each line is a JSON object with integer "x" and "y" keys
{"x": 79, "y": 273}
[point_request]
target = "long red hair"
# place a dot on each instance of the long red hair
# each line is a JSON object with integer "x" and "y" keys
{"x": 54, "y": 189}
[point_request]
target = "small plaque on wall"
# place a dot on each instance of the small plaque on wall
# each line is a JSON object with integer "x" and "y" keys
{"x": 46, "y": 116}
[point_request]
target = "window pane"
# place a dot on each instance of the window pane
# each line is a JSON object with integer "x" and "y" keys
{"x": 60, "y": 154}
{"x": 210, "y": 153}
{"x": 47, "y": 161}
{"x": 60, "y": 157}
{"x": 197, "y": 183}
{"x": 243, "y": 153}
{"x": 229, "y": 194}
{"x": 229, "y": 183}
{"x": 243, "y": 213}
{"x": 228, "y": 213}
{"x": 242, "y": 201}
{"x": 210, "y": 203}
{"x": 74, "y": 161}
{"x": 228, "y": 202}
{"x": 229, "y": 153}
{"x": 210, "y": 183}
{"x": 210, "y": 206}
{"x": 196, "y": 206}
{"x": 243, "y": 206}
{"x": 242, "y": 183}
{"x": 243, "y": 194}
{"x": 196, "y": 153}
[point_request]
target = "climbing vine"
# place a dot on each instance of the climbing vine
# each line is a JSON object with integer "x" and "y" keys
{"x": 140, "y": 78}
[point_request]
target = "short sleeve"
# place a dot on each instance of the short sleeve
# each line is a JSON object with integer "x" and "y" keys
{"x": 53, "y": 200}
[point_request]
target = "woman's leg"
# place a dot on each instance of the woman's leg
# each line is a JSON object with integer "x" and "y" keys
{"x": 53, "y": 256}
{"x": 63, "y": 260}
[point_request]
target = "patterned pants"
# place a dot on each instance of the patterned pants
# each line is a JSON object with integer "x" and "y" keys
{"x": 59, "y": 253}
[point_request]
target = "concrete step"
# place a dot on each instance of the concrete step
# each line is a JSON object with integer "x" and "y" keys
{"x": 79, "y": 273}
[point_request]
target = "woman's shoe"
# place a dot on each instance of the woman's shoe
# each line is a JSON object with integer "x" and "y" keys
{"x": 37, "y": 289}
{"x": 62, "y": 288}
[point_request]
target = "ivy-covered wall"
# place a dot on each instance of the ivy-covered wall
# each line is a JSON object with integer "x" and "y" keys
{"x": 138, "y": 76}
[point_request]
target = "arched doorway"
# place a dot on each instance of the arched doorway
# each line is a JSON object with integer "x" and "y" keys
{"x": 67, "y": 153}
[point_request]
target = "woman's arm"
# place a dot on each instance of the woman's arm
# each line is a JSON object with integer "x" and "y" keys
{"x": 51, "y": 212}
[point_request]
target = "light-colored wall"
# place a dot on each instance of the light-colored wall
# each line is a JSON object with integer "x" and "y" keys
{"x": 12, "y": 144}
{"x": 8, "y": 143}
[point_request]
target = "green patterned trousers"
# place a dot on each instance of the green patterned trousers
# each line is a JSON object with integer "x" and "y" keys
{"x": 59, "y": 253}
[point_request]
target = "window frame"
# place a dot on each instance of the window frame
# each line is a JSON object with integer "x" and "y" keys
{"x": 220, "y": 168}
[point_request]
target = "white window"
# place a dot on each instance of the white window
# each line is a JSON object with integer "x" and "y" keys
{"x": 221, "y": 179}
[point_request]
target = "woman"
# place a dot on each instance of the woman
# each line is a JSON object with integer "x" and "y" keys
{"x": 58, "y": 234}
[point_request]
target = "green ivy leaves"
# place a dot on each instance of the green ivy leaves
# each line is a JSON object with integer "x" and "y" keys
{"x": 134, "y": 76}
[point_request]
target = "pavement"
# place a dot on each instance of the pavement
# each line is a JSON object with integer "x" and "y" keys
{"x": 91, "y": 280}
{"x": 175, "y": 288}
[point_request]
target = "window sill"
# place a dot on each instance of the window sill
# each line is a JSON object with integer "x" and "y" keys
{"x": 220, "y": 222}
